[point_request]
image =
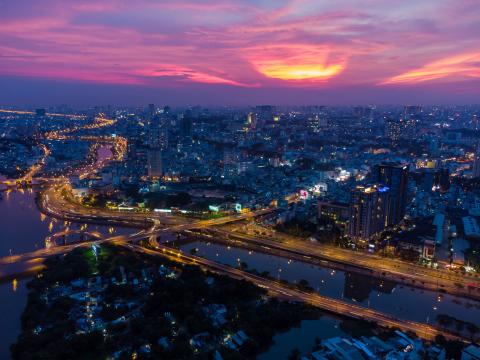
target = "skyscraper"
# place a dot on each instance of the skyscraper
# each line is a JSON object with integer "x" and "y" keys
{"x": 395, "y": 176}
{"x": 151, "y": 111}
{"x": 155, "y": 163}
{"x": 157, "y": 143}
{"x": 368, "y": 211}
{"x": 186, "y": 124}
{"x": 251, "y": 120}
{"x": 317, "y": 118}
{"x": 158, "y": 133}
{"x": 412, "y": 111}
{"x": 393, "y": 129}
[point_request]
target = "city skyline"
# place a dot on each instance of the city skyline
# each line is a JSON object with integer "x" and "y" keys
{"x": 240, "y": 179}
{"x": 187, "y": 222}
{"x": 238, "y": 53}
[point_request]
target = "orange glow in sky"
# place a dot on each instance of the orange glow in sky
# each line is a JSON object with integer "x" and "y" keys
{"x": 297, "y": 62}
{"x": 278, "y": 70}
{"x": 239, "y": 51}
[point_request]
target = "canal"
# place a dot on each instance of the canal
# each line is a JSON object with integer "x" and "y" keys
{"x": 395, "y": 299}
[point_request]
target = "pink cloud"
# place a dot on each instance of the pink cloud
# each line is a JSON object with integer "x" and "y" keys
{"x": 452, "y": 68}
{"x": 241, "y": 43}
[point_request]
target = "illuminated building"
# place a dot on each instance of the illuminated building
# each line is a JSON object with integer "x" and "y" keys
{"x": 368, "y": 211}
{"x": 317, "y": 119}
{"x": 392, "y": 130}
{"x": 476, "y": 163}
{"x": 395, "y": 176}
{"x": 251, "y": 121}
{"x": 335, "y": 212}
{"x": 157, "y": 143}
{"x": 158, "y": 133}
{"x": 401, "y": 129}
{"x": 314, "y": 123}
{"x": 249, "y": 118}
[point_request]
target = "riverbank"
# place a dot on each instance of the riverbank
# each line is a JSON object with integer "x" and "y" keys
{"x": 124, "y": 303}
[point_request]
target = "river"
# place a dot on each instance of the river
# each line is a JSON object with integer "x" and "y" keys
{"x": 401, "y": 301}
{"x": 24, "y": 229}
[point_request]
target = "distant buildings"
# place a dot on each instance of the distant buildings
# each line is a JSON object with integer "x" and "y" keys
{"x": 40, "y": 112}
{"x": 264, "y": 114}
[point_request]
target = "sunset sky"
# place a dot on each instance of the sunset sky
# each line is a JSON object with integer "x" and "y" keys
{"x": 239, "y": 51}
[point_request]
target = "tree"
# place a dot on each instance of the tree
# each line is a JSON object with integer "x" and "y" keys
{"x": 294, "y": 354}
{"x": 472, "y": 329}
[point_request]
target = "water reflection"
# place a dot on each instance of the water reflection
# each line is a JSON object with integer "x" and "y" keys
{"x": 13, "y": 295}
{"x": 359, "y": 287}
{"x": 398, "y": 300}
{"x": 24, "y": 229}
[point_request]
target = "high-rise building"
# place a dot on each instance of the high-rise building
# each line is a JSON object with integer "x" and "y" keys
{"x": 158, "y": 133}
{"x": 393, "y": 130}
{"x": 368, "y": 211}
{"x": 157, "y": 143}
{"x": 404, "y": 128}
{"x": 475, "y": 122}
{"x": 155, "y": 163}
{"x": 186, "y": 125}
{"x": 317, "y": 118}
{"x": 251, "y": 120}
{"x": 395, "y": 176}
{"x": 412, "y": 111}
{"x": 408, "y": 128}
{"x": 151, "y": 111}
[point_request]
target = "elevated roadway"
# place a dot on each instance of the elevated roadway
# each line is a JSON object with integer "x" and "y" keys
{"x": 290, "y": 293}
{"x": 392, "y": 269}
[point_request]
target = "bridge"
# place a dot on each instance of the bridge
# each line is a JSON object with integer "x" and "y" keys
{"x": 85, "y": 236}
{"x": 290, "y": 293}
{"x": 23, "y": 112}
